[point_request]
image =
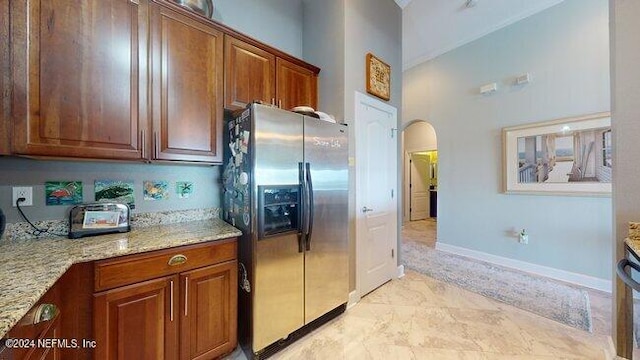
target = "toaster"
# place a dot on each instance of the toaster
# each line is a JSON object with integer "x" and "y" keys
{"x": 98, "y": 218}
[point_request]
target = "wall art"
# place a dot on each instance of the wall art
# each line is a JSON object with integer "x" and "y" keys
{"x": 569, "y": 156}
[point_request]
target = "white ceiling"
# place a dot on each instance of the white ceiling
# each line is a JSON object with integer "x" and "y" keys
{"x": 433, "y": 27}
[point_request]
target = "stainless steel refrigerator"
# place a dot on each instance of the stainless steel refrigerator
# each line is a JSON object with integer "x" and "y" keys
{"x": 285, "y": 186}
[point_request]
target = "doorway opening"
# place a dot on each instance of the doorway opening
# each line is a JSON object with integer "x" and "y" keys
{"x": 420, "y": 183}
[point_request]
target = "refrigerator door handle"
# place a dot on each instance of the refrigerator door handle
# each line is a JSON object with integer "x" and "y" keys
{"x": 303, "y": 215}
{"x": 310, "y": 211}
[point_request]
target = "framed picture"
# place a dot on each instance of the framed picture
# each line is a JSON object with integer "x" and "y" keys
{"x": 378, "y": 77}
{"x": 570, "y": 156}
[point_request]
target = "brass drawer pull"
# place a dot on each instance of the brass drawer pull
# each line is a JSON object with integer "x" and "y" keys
{"x": 41, "y": 313}
{"x": 177, "y": 260}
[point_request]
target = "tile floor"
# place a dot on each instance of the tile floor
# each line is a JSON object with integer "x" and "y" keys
{"x": 417, "y": 317}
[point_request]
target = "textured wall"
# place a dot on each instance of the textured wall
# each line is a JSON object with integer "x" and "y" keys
{"x": 420, "y": 136}
{"x": 337, "y": 36}
{"x": 323, "y": 46}
{"x": 376, "y": 27}
{"x": 26, "y": 172}
{"x": 275, "y": 22}
{"x": 625, "y": 82}
{"x": 566, "y": 51}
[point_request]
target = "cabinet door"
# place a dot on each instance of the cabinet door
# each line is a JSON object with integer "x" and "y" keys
{"x": 296, "y": 86}
{"x": 48, "y": 353}
{"x": 208, "y": 326}
{"x": 79, "y": 77}
{"x": 137, "y": 321}
{"x": 187, "y": 71}
{"x": 249, "y": 74}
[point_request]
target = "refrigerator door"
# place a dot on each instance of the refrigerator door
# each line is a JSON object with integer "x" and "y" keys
{"x": 278, "y": 297}
{"x": 327, "y": 255}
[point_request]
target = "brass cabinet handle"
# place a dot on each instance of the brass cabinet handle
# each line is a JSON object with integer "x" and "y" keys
{"x": 177, "y": 260}
{"x": 45, "y": 312}
{"x": 171, "y": 300}
{"x": 39, "y": 314}
{"x": 186, "y": 295}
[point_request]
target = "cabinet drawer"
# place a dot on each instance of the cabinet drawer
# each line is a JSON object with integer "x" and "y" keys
{"x": 131, "y": 269}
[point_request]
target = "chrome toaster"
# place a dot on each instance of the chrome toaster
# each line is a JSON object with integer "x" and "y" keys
{"x": 98, "y": 218}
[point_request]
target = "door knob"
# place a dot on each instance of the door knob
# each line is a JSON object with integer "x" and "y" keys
{"x": 366, "y": 209}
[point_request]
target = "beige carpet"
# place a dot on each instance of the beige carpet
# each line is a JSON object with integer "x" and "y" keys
{"x": 539, "y": 295}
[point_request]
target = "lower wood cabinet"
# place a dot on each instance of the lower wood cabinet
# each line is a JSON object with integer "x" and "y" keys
{"x": 188, "y": 314}
{"x": 35, "y": 331}
{"x": 137, "y": 321}
{"x": 208, "y": 322}
{"x": 45, "y": 352}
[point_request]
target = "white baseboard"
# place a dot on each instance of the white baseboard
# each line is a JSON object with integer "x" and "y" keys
{"x": 400, "y": 271}
{"x": 354, "y": 297}
{"x": 563, "y": 275}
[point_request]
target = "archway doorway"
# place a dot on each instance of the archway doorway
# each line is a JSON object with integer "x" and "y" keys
{"x": 420, "y": 183}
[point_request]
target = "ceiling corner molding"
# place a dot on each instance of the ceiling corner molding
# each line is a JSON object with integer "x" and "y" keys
{"x": 402, "y": 3}
{"x": 509, "y": 21}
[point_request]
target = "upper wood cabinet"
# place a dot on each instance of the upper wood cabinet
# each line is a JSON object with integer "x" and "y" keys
{"x": 187, "y": 87}
{"x": 295, "y": 85}
{"x": 5, "y": 83}
{"x": 132, "y": 80}
{"x": 79, "y": 83}
{"x": 253, "y": 73}
{"x": 250, "y": 74}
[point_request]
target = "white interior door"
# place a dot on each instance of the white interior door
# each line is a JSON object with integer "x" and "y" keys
{"x": 419, "y": 186}
{"x": 376, "y": 192}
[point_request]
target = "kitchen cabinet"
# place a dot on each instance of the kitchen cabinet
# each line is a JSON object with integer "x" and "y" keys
{"x": 34, "y": 328}
{"x": 79, "y": 83}
{"x": 137, "y": 321}
{"x": 187, "y": 87}
{"x": 295, "y": 85}
{"x": 71, "y": 295}
{"x": 5, "y": 84}
{"x": 179, "y": 303}
{"x": 47, "y": 352}
{"x": 208, "y": 324}
{"x": 255, "y": 73}
{"x": 132, "y": 80}
{"x": 250, "y": 74}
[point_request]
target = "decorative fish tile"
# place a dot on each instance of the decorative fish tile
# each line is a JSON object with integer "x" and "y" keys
{"x": 63, "y": 192}
{"x": 155, "y": 190}
{"x": 121, "y": 191}
{"x": 184, "y": 189}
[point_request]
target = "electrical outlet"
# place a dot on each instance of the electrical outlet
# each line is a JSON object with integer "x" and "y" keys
{"x": 25, "y": 192}
{"x": 523, "y": 237}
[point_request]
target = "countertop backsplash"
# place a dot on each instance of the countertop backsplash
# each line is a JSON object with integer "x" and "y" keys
{"x": 59, "y": 228}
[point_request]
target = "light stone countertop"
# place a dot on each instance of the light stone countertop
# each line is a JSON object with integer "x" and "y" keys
{"x": 28, "y": 268}
{"x": 634, "y": 245}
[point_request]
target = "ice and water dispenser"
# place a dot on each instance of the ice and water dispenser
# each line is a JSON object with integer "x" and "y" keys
{"x": 278, "y": 209}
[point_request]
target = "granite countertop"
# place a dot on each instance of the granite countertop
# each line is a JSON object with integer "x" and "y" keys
{"x": 28, "y": 268}
{"x": 634, "y": 245}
